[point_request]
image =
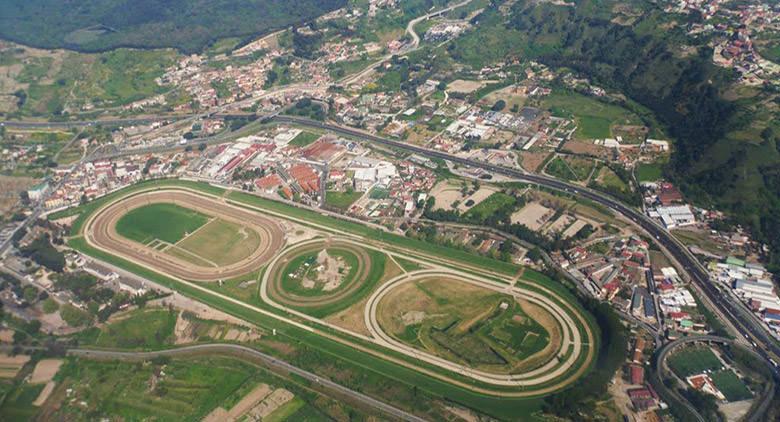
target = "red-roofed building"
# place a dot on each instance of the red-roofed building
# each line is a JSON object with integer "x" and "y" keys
{"x": 323, "y": 150}
{"x": 678, "y": 315}
{"x": 669, "y": 194}
{"x": 269, "y": 183}
{"x": 306, "y": 177}
{"x": 637, "y": 374}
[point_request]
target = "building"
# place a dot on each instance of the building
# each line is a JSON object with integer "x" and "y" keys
{"x": 674, "y": 216}
{"x": 36, "y": 192}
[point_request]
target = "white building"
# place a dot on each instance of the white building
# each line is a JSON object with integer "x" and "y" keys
{"x": 674, "y": 216}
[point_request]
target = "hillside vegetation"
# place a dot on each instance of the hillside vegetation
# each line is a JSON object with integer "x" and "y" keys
{"x": 189, "y": 25}
{"x": 726, "y": 136}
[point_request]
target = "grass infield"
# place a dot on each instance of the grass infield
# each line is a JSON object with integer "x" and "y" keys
{"x": 167, "y": 222}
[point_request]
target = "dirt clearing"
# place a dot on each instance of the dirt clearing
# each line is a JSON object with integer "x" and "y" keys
{"x": 45, "y": 370}
{"x": 533, "y": 215}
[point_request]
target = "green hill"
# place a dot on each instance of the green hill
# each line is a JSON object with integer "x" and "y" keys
{"x": 189, "y": 25}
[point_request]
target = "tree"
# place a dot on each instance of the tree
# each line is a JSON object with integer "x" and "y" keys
{"x": 499, "y": 105}
{"x": 534, "y": 254}
{"x": 30, "y": 294}
{"x": 202, "y": 147}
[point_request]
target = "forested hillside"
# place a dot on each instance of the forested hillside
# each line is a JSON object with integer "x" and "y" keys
{"x": 189, "y": 25}
{"x": 726, "y": 136}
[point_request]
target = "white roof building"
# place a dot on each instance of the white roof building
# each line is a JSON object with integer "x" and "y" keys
{"x": 675, "y": 216}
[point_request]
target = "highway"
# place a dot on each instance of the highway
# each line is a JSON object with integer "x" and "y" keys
{"x": 737, "y": 315}
{"x": 247, "y": 352}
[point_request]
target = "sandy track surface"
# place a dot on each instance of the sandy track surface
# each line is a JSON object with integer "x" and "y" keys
{"x": 101, "y": 232}
{"x": 554, "y": 369}
{"x": 277, "y": 292}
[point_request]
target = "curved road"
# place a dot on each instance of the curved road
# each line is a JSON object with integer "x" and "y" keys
{"x": 246, "y": 352}
{"x": 736, "y": 313}
{"x": 412, "y": 47}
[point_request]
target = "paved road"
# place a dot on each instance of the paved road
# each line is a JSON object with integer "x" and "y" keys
{"x": 85, "y": 123}
{"x": 415, "y": 44}
{"x": 757, "y": 410}
{"x": 247, "y": 352}
{"x": 737, "y": 315}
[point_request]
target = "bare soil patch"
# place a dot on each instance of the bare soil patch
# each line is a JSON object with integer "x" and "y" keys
{"x": 534, "y": 215}
{"x": 45, "y": 370}
{"x": 532, "y": 161}
{"x": 10, "y": 365}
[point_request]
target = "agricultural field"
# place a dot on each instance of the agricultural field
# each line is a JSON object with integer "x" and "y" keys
{"x": 595, "y": 119}
{"x": 611, "y": 182}
{"x": 18, "y": 404}
{"x": 176, "y": 390}
{"x": 730, "y": 385}
{"x": 52, "y": 82}
{"x": 693, "y": 360}
{"x": 464, "y": 323}
{"x": 570, "y": 168}
{"x": 142, "y": 329}
{"x": 162, "y": 221}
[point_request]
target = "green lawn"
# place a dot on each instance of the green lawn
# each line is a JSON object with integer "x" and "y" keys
{"x": 693, "y": 360}
{"x": 74, "y": 316}
{"x": 143, "y": 329}
{"x": 649, "y": 172}
{"x": 304, "y": 138}
{"x": 286, "y": 411}
{"x": 730, "y": 385}
{"x": 489, "y": 206}
{"x": 341, "y": 200}
{"x": 167, "y": 222}
{"x": 303, "y": 267}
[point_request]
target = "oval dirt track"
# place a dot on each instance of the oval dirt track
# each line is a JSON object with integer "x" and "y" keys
{"x": 101, "y": 232}
{"x": 278, "y": 293}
